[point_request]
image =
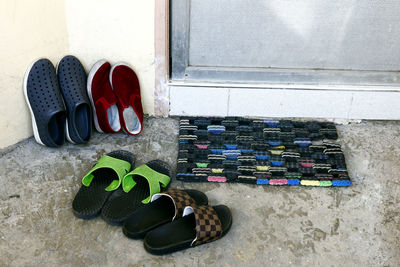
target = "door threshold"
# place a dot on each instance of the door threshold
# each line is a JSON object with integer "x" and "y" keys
{"x": 338, "y": 102}
{"x": 371, "y": 88}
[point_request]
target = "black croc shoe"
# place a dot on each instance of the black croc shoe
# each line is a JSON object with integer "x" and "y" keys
{"x": 72, "y": 79}
{"x": 45, "y": 103}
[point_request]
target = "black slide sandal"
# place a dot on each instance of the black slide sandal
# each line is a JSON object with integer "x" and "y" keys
{"x": 98, "y": 183}
{"x": 164, "y": 208}
{"x": 138, "y": 187}
{"x": 199, "y": 225}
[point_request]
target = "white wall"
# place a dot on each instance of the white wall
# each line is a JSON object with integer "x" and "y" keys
{"x": 28, "y": 30}
{"x": 119, "y": 30}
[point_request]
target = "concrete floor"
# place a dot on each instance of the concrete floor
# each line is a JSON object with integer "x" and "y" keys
{"x": 273, "y": 226}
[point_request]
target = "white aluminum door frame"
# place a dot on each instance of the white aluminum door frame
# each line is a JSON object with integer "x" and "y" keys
{"x": 194, "y": 97}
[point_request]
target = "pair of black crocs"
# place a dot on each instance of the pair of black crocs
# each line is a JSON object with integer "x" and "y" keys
{"x": 177, "y": 219}
{"x": 58, "y": 101}
{"x": 172, "y": 220}
{"x": 115, "y": 189}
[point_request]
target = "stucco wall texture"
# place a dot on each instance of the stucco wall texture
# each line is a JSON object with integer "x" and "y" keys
{"x": 28, "y": 30}
{"x": 120, "y": 30}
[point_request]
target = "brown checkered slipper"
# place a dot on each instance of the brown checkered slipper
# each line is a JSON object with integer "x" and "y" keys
{"x": 164, "y": 208}
{"x": 199, "y": 225}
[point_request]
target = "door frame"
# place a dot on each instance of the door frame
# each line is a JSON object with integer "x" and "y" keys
{"x": 161, "y": 58}
{"x": 183, "y": 70}
{"x": 180, "y": 97}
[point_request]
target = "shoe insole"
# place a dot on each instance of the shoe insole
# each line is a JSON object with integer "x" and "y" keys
{"x": 176, "y": 233}
{"x": 90, "y": 199}
{"x": 82, "y": 120}
{"x": 179, "y": 234}
{"x": 113, "y": 118}
{"x": 148, "y": 217}
{"x": 121, "y": 205}
{"x": 131, "y": 120}
{"x": 56, "y": 128}
{"x": 156, "y": 213}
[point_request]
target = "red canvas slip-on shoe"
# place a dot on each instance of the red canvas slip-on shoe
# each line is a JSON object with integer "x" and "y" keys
{"x": 125, "y": 84}
{"x": 103, "y": 99}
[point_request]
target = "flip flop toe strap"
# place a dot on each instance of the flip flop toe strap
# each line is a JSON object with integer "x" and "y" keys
{"x": 180, "y": 198}
{"x": 208, "y": 225}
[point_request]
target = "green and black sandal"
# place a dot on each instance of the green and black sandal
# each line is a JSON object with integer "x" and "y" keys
{"x": 100, "y": 182}
{"x": 138, "y": 186}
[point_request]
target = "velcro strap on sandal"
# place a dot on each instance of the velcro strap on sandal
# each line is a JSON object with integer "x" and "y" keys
{"x": 120, "y": 167}
{"x": 208, "y": 225}
{"x": 180, "y": 198}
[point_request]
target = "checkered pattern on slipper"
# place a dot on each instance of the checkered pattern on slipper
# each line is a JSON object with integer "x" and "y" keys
{"x": 208, "y": 226}
{"x": 180, "y": 198}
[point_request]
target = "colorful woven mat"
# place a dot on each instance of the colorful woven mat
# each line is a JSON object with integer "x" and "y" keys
{"x": 264, "y": 152}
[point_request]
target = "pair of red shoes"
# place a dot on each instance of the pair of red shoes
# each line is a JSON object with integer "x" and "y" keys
{"x": 114, "y": 93}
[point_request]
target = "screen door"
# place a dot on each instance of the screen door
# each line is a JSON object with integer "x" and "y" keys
{"x": 351, "y": 42}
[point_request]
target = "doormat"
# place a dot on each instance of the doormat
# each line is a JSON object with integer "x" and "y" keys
{"x": 264, "y": 152}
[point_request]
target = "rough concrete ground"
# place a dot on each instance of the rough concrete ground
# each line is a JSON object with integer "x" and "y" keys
{"x": 273, "y": 226}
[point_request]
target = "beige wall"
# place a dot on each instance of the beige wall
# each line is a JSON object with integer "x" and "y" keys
{"x": 119, "y": 30}
{"x": 28, "y": 30}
